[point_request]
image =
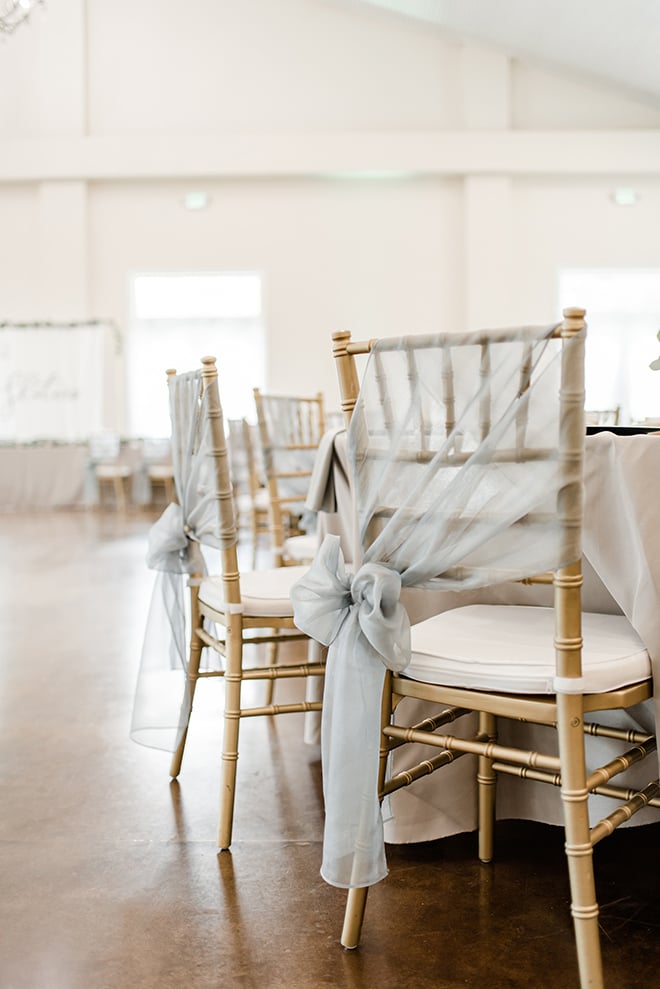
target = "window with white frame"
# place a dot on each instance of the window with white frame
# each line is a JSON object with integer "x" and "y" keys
{"x": 623, "y": 318}
{"x": 178, "y": 318}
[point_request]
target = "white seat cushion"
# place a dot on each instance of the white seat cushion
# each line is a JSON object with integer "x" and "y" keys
{"x": 160, "y": 472}
{"x": 110, "y": 471}
{"x": 263, "y": 592}
{"x": 246, "y": 503}
{"x": 510, "y": 648}
{"x": 261, "y": 501}
{"x": 301, "y": 547}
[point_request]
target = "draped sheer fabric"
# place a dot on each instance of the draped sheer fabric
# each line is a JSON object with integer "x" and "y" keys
{"x": 459, "y": 478}
{"x": 239, "y": 461}
{"x": 174, "y": 551}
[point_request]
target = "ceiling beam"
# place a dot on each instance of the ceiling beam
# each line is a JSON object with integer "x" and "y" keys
{"x": 442, "y": 153}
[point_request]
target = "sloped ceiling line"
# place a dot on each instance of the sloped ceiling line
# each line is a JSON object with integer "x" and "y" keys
{"x": 611, "y": 40}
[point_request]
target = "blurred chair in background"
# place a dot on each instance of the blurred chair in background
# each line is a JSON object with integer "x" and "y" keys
{"x": 290, "y": 430}
{"x": 157, "y": 470}
{"x": 602, "y": 417}
{"x": 108, "y": 469}
{"x": 250, "y": 495}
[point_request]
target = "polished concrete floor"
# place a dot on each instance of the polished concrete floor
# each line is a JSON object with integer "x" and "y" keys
{"x": 109, "y": 873}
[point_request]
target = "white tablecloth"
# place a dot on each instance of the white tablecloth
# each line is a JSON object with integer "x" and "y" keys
{"x": 38, "y": 477}
{"x": 42, "y": 477}
{"x": 621, "y": 543}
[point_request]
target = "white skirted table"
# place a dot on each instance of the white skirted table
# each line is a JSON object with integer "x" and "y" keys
{"x": 48, "y": 476}
{"x": 621, "y": 544}
{"x": 42, "y": 476}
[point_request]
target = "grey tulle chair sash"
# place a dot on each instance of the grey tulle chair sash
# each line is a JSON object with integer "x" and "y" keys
{"x": 174, "y": 551}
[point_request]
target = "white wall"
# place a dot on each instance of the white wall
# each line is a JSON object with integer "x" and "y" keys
{"x": 573, "y": 223}
{"x": 547, "y": 100}
{"x": 19, "y": 235}
{"x": 494, "y": 173}
{"x": 221, "y": 66}
{"x": 373, "y": 255}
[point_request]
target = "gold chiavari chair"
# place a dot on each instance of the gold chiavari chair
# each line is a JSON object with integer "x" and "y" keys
{"x": 110, "y": 471}
{"x": 157, "y": 470}
{"x": 460, "y": 485}
{"x": 290, "y": 430}
{"x": 230, "y": 613}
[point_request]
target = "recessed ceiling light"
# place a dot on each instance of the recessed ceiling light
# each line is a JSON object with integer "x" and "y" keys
{"x": 624, "y": 196}
{"x": 196, "y": 200}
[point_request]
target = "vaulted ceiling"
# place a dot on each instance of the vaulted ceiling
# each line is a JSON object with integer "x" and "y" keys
{"x": 615, "y": 41}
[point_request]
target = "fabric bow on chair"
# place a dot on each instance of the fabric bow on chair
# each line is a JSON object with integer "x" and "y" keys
{"x": 363, "y": 621}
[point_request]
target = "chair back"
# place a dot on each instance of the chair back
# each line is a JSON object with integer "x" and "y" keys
{"x": 104, "y": 447}
{"x": 200, "y": 458}
{"x": 290, "y": 430}
{"x": 466, "y": 452}
{"x": 156, "y": 450}
{"x": 245, "y": 473}
{"x": 239, "y": 457}
{"x": 602, "y": 417}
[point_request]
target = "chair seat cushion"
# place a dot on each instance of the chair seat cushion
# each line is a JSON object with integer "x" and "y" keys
{"x": 110, "y": 471}
{"x": 261, "y": 501}
{"x": 301, "y": 547}
{"x": 246, "y": 503}
{"x": 510, "y": 648}
{"x": 263, "y": 592}
{"x": 160, "y": 472}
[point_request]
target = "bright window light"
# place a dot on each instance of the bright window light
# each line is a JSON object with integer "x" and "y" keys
{"x": 623, "y": 318}
{"x": 178, "y": 319}
{"x": 198, "y": 296}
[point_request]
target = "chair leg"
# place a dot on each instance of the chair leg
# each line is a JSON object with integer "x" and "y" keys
{"x": 194, "y": 658}
{"x": 353, "y": 917}
{"x": 486, "y": 779}
{"x": 120, "y": 494}
{"x": 102, "y": 493}
{"x": 232, "y": 719}
{"x": 579, "y": 848}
